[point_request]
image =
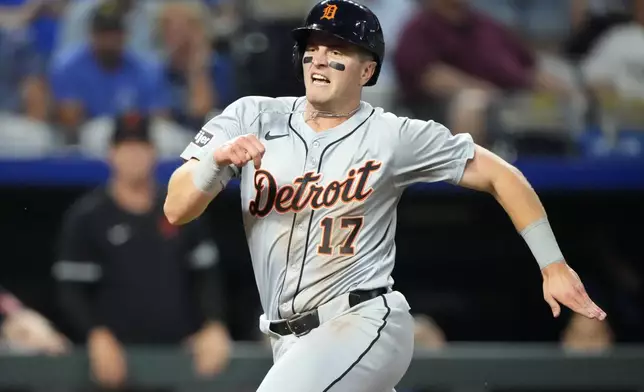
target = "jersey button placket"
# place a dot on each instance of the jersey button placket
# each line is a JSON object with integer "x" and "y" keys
{"x": 314, "y": 159}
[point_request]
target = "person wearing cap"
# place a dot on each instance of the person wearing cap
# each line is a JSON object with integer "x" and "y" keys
{"x": 126, "y": 276}
{"x": 77, "y": 15}
{"x": 104, "y": 79}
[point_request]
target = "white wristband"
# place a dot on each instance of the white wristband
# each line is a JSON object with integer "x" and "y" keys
{"x": 205, "y": 175}
{"x": 541, "y": 241}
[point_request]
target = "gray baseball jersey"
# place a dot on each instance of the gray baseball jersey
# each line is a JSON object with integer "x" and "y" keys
{"x": 320, "y": 213}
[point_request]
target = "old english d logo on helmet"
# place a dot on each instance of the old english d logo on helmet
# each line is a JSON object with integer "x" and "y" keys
{"x": 329, "y": 12}
{"x": 347, "y": 20}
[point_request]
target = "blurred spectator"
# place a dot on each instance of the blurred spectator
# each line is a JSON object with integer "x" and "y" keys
{"x": 428, "y": 334}
{"x": 279, "y": 9}
{"x": 265, "y": 43}
{"x": 126, "y": 276}
{"x": 18, "y": 14}
{"x": 226, "y": 17}
{"x": 193, "y": 72}
{"x": 46, "y": 26}
{"x": 22, "y": 83}
{"x": 541, "y": 22}
{"x": 23, "y": 329}
{"x": 24, "y": 97}
{"x": 583, "y": 10}
{"x": 95, "y": 137}
{"x": 37, "y": 17}
{"x": 393, "y": 16}
{"x": 590, "y": 19}
{"x": 103, "y": 78}
{"x": 615, "y": 66}
{"x": 583, "y": 334}
{"x": 462, "y": 60}
{"x": 23, "y": 137}
{"x": 138, "y": 23}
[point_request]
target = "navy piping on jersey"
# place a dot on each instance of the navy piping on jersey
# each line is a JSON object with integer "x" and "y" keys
{"x": 290, "y": 237}
{"x": 378, "y": 334}
{"x": 308, "y": 232}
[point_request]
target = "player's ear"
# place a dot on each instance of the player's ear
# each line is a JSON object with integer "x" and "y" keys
{"x": 369, "y": 67}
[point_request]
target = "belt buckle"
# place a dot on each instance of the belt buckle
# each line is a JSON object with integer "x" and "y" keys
{"x": 293, "y": 318}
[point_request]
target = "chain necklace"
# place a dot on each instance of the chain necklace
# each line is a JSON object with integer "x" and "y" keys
{"x": 314, "y": 115}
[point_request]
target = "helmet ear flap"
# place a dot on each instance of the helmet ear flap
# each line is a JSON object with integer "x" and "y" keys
{"x": 376, "y": 73}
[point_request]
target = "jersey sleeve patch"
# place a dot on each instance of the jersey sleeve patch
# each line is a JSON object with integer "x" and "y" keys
{"x": 202, "y": 138}
{"x": 197, "y": 147}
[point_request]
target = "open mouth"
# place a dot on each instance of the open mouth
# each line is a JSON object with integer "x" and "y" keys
{"x": 320, "y": 80}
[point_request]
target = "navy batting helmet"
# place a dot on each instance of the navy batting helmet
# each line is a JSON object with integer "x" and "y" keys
{"x": 347, "y": 20}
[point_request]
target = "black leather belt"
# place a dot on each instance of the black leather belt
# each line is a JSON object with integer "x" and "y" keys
{"x": 302, "y": 323}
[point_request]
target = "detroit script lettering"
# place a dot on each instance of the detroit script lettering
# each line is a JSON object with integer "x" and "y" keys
{"x": 305, "y": 192}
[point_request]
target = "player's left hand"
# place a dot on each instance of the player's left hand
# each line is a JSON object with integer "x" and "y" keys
{"x": 211, "y": 349}
{"x": 561, "y": 285}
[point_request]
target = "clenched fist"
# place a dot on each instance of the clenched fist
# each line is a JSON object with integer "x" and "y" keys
{"x": 240, "y": 151}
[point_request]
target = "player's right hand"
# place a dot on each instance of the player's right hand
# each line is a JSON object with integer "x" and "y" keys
{"x": 239, "y": 151}
{"x": 107, "y": 359}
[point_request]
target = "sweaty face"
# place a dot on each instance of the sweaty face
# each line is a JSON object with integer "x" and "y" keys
{"x": 133, "y": 161}
{"x": 327, "y": 87}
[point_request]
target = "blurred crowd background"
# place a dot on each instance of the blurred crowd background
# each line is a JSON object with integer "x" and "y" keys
{"x": 557, "y": 84}
{"x": 507, "y": 71}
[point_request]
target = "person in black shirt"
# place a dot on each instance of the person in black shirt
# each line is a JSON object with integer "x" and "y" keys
{"x": 22, "y": 328}
{"x": 126, "y": 276}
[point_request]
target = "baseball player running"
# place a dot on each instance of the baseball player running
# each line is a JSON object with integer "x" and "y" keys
{"x": 320, "y": 179}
